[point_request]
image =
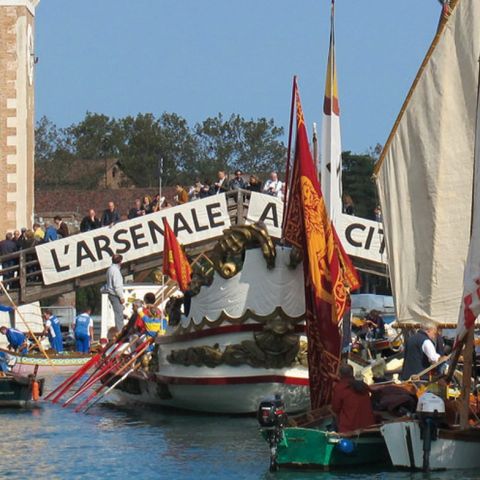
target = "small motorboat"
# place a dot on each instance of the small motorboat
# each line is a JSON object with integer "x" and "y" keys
{"x": 310, "y": 443}
{"x": 17, "y": 390}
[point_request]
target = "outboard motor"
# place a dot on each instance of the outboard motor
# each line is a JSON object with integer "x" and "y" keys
{"x": 272, "y": 419}
{"x": 430, "y": 412}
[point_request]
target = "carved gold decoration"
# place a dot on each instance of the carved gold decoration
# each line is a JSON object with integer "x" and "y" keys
{"x": 302, "y": 356}
{"x": 202, "y": 273}
{"x": 157, "y": 276}
{"x": 227, "y": 255}
{"x": 296, "y": 257}
{"x": 276, "y": 346}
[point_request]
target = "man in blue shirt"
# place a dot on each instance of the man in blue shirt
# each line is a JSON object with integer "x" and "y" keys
{"x": 53, "y": 330}
{"x": 83, "y": 329}
{"x": 17, "y": 340}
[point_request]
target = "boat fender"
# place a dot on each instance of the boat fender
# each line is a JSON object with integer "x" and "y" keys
{"x": 346, "y": 446}
{"x": 35, "y": 391}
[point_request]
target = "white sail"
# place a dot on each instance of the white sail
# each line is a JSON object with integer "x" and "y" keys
{"x": 424, "y": 175}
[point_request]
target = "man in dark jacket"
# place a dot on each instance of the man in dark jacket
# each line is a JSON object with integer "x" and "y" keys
{"x": 237, "y": 182}
{"x": 110, "y": 215}
{"x": 420, "y": 352}
{"x": 137, "y": 210}
{"x": 8, "y": 246}
{"x": 90, "y": 222}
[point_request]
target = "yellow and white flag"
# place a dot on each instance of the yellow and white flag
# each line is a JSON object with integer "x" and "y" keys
{"x": 331, "y": 146}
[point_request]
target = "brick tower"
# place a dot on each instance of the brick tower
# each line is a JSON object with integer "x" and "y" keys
{"x": 17, "y": 59}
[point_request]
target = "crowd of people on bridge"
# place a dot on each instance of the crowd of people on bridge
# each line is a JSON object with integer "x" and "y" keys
{"x": 273, "y": 186}
{"x": 26, "y": 238}
{"x": 198, "y": 190}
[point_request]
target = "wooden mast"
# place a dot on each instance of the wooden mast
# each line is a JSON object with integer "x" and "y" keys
{"x": 466, "y": 380}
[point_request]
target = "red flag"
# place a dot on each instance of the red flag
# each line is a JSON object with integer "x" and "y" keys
{"x": 329, "y": 274}
{"x": 175, "y": 263}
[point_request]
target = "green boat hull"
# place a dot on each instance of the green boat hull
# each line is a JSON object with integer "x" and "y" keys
{"x": 313, "y": 448}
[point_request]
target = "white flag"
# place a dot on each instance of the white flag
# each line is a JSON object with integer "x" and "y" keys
{"x": 331, "y": 148}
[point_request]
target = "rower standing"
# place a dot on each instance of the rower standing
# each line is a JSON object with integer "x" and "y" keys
{"x": 53, "y": 330}
{"x": 83, "y": 330}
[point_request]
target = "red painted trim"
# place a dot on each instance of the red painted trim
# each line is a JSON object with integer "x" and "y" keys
{"x": 232, "y": 380}
{"x": 246, "y": 327}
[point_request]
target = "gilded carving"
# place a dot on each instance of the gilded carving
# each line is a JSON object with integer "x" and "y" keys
{"x": 228, "y": 254}
{"x": 276, "y": 346}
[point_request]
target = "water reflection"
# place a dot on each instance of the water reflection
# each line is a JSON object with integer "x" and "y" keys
{"x": 146, "y": 443}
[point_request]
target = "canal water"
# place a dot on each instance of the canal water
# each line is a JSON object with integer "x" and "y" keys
{"x": 51, "y": 442}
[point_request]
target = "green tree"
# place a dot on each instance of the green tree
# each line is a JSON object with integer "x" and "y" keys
{"x": 140, "y": 141}
{"x": 250, "y": 145}
{"x": 260, "y": 149}
{"x": 357, "y": 182}
{"x": 52, "y": 142}
{"x": 148, "y": 139}
{"x": 97, "y": 136}
{"x": 54, "y": 152}
{"x": 89, "y": 297}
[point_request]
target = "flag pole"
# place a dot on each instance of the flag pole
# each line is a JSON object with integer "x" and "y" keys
{"x": 160, "y": 175}
{"x": 315, "y": 148}
{"x": 289, "y": 149}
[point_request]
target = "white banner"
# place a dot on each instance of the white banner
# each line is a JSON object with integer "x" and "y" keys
{"x": 360, "y": 237}
{"x": 267, "y": 209}
{"x": 92, "y": 251}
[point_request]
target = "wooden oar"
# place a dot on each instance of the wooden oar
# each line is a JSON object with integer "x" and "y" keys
{"x": 419, "y": 375}
{"x": 104, "y": 394}
{"x": 107, "y": 365}
{"x": 124, "y": 367}
{"x": 40, "y": 346}
{"x": 144, "y": 346}
{"x": 96, "y": 360}
{"x": 58, "y": 392}
{"x": 99, "y": 373}
{"x": 101, "y": 366}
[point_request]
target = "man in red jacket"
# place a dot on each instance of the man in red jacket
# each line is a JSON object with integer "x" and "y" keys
{"x": 351, "y": 402}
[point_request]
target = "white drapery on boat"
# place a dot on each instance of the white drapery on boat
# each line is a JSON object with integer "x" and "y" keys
{"x": 255, "y": 288}
{"x": 425, "y": 173}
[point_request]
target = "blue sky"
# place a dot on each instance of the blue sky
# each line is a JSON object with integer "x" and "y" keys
{"x": 201, "y": 57}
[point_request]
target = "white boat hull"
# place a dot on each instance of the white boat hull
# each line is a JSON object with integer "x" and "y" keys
{"x": 232, "y": 398}
{"x": 445, "y": 454}
{"x": 222, "y": 389}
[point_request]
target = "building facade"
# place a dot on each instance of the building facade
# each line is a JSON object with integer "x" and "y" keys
{"x": 17, "y": 119}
